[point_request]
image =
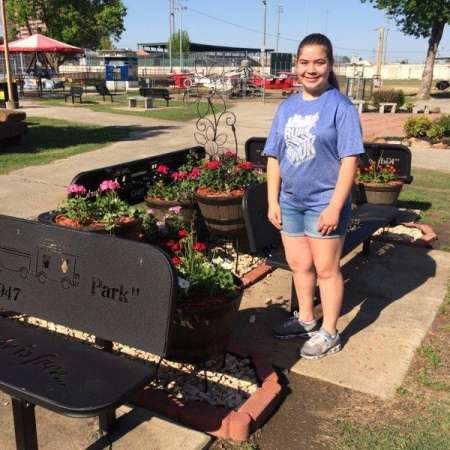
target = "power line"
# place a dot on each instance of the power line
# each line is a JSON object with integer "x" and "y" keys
{"x": 285, "y": 38}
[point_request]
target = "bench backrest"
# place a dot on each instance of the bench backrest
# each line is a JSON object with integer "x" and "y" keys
{"x": 115, "y": 289}
{"x": 102, "y": 89}
{"x": 76, "y": 90}
{"x": 135, "y": 177}
{"x": 396, "y": 154}
{"x": 154, "y": 92}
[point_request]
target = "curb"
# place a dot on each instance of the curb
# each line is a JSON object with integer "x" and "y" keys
{"x": 219, "y": 421}
{"x": 424, "y": 242}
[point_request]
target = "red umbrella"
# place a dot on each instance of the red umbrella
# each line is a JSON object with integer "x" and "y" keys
{"x": 43, "y": 44}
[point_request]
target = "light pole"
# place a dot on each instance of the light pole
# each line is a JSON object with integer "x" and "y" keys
{"x": 171, "y": 13}
{"x": 279, "y": 11}
{"x": 263, "y": 48}
{"x": 13, "y": 102}
{"x": 181, "y": 8}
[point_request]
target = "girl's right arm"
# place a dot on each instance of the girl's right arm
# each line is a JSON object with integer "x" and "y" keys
{"x": 273, "y": 192}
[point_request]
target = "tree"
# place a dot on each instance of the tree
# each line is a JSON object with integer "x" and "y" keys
{"x": 420, "y": 18}
{"x": 175, "y": 43}
{"x": 83, "y": 23}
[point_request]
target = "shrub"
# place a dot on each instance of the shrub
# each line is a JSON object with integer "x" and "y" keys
{"x": 436, "y": 132}
{"x": 417, "y": 126}
{"x": 444, "y": 122}
{"x": 388, "y": 96}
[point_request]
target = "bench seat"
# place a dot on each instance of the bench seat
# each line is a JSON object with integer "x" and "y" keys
{"x": 65, "y": 374}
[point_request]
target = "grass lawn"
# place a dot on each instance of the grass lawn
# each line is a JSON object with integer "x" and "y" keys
{"x": 49, "y": 139}
{"x": 429, "y": 192}
{"x": 177, "y": 110}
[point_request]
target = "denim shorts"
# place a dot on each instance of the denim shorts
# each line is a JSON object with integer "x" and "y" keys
{"x": 304, "y": 222}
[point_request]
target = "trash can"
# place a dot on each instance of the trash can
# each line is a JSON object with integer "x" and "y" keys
{"x": 4, "y": 97}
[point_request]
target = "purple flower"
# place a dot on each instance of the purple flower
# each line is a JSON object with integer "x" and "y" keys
{"x": 109, "y": 185}
{"x": 77, "y": 189}
{"x": 175, "y": 209}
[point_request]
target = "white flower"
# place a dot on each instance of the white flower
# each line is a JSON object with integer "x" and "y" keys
{"x": 183, "y": 284}
{"x": 224, "y": 263}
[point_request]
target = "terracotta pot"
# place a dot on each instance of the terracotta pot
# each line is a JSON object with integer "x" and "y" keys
{"x": 222, "y": 212}
{"x": 380, "y": 193}
{"x": 202, "y": 330}
{"x": 128, "y": 227}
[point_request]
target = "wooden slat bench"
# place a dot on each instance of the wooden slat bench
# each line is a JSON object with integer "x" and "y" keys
{"x": 114, "y": 289}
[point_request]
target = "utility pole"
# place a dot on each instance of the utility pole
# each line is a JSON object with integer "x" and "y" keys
{"x": 263, "y": 48}
{"x": 13, "y": 103}
{"x": 279, "y": 11}
{"x": 171, "y": 13}
{"x": 385, "y": 45}
{"x": 181, "y": 8}
{"x": 379, "y": 58}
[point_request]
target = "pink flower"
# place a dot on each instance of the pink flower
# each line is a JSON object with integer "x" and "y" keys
{"x": 176, "y": 176}
{"x": 76, "y": 189}
{"x": 230, "y": 154}
{"x": 199, "y": 246}
{"x": 150, "y": 211}
{"x": 175, "y": 209}
{"x": 212, "y": 165}
{"x": 195, "y": 173}
{"x": 162, "y": 169}
{"x": 109, "y": 185}
{"x": 247, "y": 165}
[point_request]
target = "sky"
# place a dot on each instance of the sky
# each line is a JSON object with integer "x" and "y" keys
{"x": 350, "y": 24}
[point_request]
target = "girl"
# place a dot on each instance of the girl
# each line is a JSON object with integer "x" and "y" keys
{"x": 313, "y": 149}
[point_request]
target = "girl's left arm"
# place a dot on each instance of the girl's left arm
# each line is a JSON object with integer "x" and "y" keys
{"x": 329, "y": 217}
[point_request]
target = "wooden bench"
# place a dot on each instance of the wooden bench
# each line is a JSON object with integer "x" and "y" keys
{"x": 116, "y": 290}
{"x": 151, "y": 92}
{"x": 103, "y": 90}
{"x": 264, "y": 239}
{"x": 383, "y": 105}
{"x": 74, "y": 92}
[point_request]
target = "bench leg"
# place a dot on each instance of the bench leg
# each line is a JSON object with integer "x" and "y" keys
{"x": 24, "y": 425}
{"x": 106, "y": 421}
{"x": 366, "y": 248}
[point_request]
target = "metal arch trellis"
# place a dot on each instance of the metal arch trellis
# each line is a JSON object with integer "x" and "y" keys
{"x": 207, "y": 128}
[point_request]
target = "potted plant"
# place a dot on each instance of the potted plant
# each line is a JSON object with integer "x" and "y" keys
{"x": 208, "y": 295}
{"x": 175, "y": 188}
{"x": 100, "y": 211}
{"x": 378, "y": 183}
{"x": 222, "y": 184}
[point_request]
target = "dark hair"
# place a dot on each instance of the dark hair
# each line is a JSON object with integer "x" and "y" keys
{"x": 322, "y": 40}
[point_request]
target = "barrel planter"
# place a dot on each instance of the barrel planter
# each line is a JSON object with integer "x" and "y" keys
{"x": 201, "y": 330}
{"x": 381, "y": 193}
{"x": 222, "y": 213}
{"x": 189, "y": 208}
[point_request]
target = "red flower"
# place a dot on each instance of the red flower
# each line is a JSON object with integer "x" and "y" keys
{"x": 199, "y": 246}
{"x": 230, "y": 154}
{"x": 195, "y": 173}
{"x": 176, "y": 261}
{"x": 176, "y": 176}
{"x": 212, "y": 165}
{"x": 246, "y": 165}
{"x": 162, "y": 169}
{"x": 183, "y": 233}
{"x": 172, "y": 245}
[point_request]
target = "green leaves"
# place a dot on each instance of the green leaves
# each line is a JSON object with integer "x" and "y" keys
{"x": 83, "y": 23}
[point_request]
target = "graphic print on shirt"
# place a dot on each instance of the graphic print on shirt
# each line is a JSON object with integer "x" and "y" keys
{"x": 299, "y": 138}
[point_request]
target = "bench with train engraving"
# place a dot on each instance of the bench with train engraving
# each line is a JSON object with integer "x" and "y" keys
{"x": 114, "y": 289}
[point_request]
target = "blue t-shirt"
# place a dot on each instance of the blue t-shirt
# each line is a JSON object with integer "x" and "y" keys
{"x": 309, "y": 138}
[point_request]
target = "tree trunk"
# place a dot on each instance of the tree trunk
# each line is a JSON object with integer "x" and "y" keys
{"x": 427, "y": 76}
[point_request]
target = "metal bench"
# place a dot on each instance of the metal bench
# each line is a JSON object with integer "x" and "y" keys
{"x": 111, "y": 288}
{"x": 151, "y": 92}
{"x": 103, "y": 90}
{"x": 74, "y": 92}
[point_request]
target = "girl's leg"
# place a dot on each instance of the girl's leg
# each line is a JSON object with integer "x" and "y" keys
{"x": 300, "y": 260}
{"x": 326, "y": 255}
